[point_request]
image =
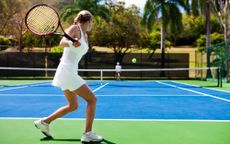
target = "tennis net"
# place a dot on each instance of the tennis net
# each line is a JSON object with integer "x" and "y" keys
{"x": 198, "y": 74}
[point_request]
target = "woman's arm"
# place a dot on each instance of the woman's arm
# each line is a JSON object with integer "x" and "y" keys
{"x": 72, "y": 31}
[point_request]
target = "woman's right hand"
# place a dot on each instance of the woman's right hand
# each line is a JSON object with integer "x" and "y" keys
{"x": 76, "y": 43}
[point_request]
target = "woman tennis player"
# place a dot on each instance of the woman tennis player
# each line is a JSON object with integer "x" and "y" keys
{"x": 67, "y": 78}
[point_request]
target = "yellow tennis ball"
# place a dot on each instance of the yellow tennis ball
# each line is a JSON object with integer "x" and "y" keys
{"x": 134, "y": 60}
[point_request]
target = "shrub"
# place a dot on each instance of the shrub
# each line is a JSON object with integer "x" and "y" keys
{"x": 215, "y": 39}
{"x": 4, "y": 42}
{"x": 57, "y": 49}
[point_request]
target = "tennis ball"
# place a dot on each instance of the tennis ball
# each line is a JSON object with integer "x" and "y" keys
{"x": 134, "y": 60}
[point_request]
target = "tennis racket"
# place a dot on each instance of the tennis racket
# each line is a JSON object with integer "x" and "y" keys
{"x": 42, "y": 20}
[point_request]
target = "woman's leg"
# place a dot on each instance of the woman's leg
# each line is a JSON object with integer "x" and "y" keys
{"x": 72, "y": 105}
{"x": 88, "y": 95}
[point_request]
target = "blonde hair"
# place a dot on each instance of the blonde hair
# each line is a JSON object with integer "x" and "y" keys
{"x": 83, "y": 16}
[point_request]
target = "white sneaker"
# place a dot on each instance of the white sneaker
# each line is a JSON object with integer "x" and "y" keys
{"x": 91, "y": 137}
{"x": 44, "y": 127}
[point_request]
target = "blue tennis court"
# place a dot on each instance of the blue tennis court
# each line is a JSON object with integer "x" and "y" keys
{"x": 140, "y": 100}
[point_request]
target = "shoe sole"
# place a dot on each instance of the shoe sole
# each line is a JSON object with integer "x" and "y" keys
{"x": 49, "y": 136}
{"x": 84, "y": 142}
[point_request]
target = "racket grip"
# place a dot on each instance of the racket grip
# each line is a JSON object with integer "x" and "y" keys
{"x": 70, "y": 43}
{"x": 70, "y": 38}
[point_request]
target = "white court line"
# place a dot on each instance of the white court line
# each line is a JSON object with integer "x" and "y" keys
{"x": 99, "y": 119}
{"x": 34, "y": 84}
{"x": 204, "y": 94}
{"x": 24, "y": 86}
{"x": 100, "y": 87}
{"x": 5, "y": 89}
{"x": 202, "y": 87}
{"x": 28, "y": 95}
{"x": 40, "y": 94}
{"x": 146, "y": 95}
{"x": 12, "y": 88}
{"x": 104, "y": 95}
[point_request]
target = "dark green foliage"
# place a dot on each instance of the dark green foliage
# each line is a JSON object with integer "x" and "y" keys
{"x": 215, "y": 39}
{"x": 217, "y": 50}
{"x": 31, "y": 40}
{"x": 57, "y": 49}
{"x": 4, "y": 42}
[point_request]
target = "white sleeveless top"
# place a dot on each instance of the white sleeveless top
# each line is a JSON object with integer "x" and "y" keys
{"x": 66, "y": 76}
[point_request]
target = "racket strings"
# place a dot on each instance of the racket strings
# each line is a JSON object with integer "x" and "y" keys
{"x": 42, "y": 20}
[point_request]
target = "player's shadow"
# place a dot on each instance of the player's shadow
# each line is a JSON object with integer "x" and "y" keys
{"x": 75, "y": 140}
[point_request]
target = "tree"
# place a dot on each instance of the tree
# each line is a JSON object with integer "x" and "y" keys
{"x": 8, "y": 9}
{"x": 222, "y": 9}
{"x": 152, "y": 41}
{"x": 217, "y": 49}
{"x": 100, "y": 34}
{"x": 94, "y": 6}
{"x": 200, "y": 7}
{"x": 216, "y": 38}
{"x": 55, "y": 3}
{"x": 12, "y": 23}
{"x": 124, "y": 29}
{"x": 208, "y": 32}
{"x": 169, "y": 14}
{"x": 4, "y": 43}
{"x": 193, "y": 27}
{"x": 18, "y": 23}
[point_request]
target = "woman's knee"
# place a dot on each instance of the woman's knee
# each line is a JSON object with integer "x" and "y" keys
{"x": 92, "y": 100}
{"x": 73, "y": 107}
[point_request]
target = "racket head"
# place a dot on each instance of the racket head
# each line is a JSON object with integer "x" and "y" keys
{"x": 42, "y": 19}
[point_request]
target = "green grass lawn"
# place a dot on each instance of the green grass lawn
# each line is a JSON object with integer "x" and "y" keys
{"x": 18, "y": 82}
{"x": 207, "y": 84}
{"x": 119, "y": 132}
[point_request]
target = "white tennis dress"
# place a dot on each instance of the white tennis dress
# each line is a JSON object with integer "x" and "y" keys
{"x": 66, "y": 76}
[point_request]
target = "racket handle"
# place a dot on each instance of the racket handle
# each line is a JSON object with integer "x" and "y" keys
{"x": 70, "y": 38}
{"x": 67, "y": 36}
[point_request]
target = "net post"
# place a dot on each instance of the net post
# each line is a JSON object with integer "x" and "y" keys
{"x": 101, "y": 75}
{"x": 218, "y": 77}
{"x": 220, "y": 73}
{"x": 46, "y": 65}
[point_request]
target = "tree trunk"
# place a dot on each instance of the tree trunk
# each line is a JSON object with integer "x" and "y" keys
{"x": 224, "y": 18}
{"x": 118, "y": 57}
{"x": 162, "y": 49}
{"x": 208, "y": 31}
{"x": 226, "y": 23}
{"x": 228, "y": 56}
{"x": 228, "y": 43}
{"x": 21, "y": 35}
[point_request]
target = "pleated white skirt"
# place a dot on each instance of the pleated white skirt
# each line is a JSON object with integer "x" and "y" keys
{"x": 67, "y": 78}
